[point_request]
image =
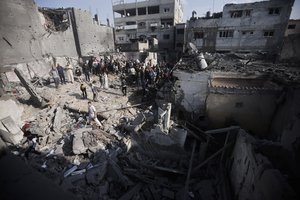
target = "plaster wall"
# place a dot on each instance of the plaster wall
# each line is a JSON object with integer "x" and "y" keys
{"x": 191, "y": 91}
{"x": 253, "y": 112}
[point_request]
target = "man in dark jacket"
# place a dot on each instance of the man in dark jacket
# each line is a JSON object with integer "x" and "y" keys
{"x": 61, "y": 73}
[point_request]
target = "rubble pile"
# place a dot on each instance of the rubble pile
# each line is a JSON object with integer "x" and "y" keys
{"x": 94, "y": 164}
{"x": 243, "y": 63}
{"x": 140, "y": 153}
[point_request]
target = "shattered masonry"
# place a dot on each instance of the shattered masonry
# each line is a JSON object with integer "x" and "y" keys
{"x": 212, "y": 126}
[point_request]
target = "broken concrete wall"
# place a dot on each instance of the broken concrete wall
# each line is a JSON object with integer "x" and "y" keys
{"x": 58, "y": 43}
{"x": 203, "y": 33}
{"x": 252, "y": 175}
{"x": 242, "y": 99}
{"x": 93, "y": 38}
{"x": 21, "y": 32}
{"x": 26, "y": 44}
{"x": 191, "y": 91}
{"x": 291, "y": 48}
{"x": 246, "y": 110}
{"x": 286, "y": 126}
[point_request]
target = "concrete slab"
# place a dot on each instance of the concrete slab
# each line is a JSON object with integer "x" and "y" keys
{"x": 10, "y": 131}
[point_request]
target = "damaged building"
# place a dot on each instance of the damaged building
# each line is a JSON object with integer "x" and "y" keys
{"x": 151, "y": 20}
{"x": 213, "y": 126}
{"x": 239, "y": 27}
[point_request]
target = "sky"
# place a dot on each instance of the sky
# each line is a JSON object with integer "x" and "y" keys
{"x": 104, "y": 7}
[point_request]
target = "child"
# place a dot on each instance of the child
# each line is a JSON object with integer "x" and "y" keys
{"x": 83, "y": 90}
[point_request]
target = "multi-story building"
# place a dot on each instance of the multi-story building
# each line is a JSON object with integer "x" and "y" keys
{"x": 258, "y": 26}
{"x": 179, "y": 36}
{"x": 144, "y": 19}
{"x": 293, "y": 27}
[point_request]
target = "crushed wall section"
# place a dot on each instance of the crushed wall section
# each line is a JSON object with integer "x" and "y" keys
{"x": 29, "y": 45}
{"x": 21, "y": 32}
{"x": 191, "y": 91}
{"x": 252, "y": 175}
{"x": 246, "y": 110}
{"x": 93, "y": 38}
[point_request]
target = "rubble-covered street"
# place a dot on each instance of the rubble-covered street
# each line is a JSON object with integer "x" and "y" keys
{"x": 152, "y": 107}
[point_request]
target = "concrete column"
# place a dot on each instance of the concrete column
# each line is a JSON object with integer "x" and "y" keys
{"x": 167, "y": 117}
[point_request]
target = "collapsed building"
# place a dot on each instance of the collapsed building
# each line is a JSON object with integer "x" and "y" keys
{"x": 226, "y": 128}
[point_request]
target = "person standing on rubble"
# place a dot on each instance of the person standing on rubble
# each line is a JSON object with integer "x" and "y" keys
{"x": 93, "y": 114}
{"x": 86, "y": 72}
{"x": 95, "y": 91}
{"x": 83, "y": 90}
{"x": 124, "y": 85}
{"x": 61, "y": 73}
{"x": 54, "y": 74}
{"x": 69, "y": 71}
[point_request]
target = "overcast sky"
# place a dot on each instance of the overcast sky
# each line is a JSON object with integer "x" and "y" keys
{"x": 104, "y": 7}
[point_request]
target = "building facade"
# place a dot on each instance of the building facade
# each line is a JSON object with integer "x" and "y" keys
{"x": 246, "y": 27}
{"x": 293, "y": 27}
{"x": 146, "y": 19}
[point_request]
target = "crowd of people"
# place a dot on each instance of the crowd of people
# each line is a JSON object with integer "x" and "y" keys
{"x": 143, "y": 75}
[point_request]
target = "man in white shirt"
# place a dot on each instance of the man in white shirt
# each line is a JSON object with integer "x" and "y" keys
{"x": 93, "y": 114}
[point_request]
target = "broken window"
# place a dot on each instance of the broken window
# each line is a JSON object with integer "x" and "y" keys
{"x": 166, "y": 10}
{"x": 248, "y": 13}
{"x": 130, "y": 12}
{"x": 166, "y": 23}
{"x": 268, "y": 33}
{"x": 55, "y": 19}
{"x": 226, "y": 34}
{"x": 247, "y": 32}
{"x": 119, "y": 13}
{"x": 141, "y": 25}
{"x": 274, "y": 11}
{"x": 131, "y": 23}
{"x": 142, "y": 11}
{"x": 198, "y": 35}
{"x": 292, "y": 26}
{"x": 236, "y": 13}
{"x": 180, "y": 31}
{"x": 166, "y": 36}
{"x": 153, "y": 10}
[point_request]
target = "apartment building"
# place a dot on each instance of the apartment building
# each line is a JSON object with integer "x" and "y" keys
{"x": 258, "y": 26}
{"x": 146, "y": 19}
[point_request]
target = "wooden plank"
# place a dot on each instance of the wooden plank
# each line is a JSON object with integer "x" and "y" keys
{"x": 186, "y": 187}
{"x": 198, "y": 129}
{"x": 192, "y": 133}
{"x": 211, "y": 157}
{"x": 222, "y": 130}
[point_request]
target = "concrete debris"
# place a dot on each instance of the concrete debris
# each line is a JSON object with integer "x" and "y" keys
{"x": 57, "y": 120}
{"x": 78, "y": 144}
{"x": 10, "y": 132}
{"x": 36, "y": 98}
{"x": 145, "y": 149}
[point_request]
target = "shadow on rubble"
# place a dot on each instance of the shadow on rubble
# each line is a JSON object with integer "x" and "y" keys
{"x": 90, "y": 175}
{"x": 76, "y": 95}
